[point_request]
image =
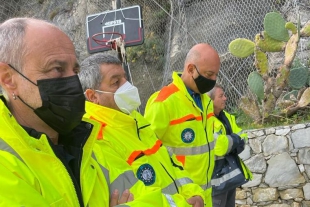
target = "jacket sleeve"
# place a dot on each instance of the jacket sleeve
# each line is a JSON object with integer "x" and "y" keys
{"x": 225, "y": 144}
{"x": 18, "y": 185}
{"x": 120, "y": 176}
{"x": 155, "y": 113}
{"x": 187, "y": 188}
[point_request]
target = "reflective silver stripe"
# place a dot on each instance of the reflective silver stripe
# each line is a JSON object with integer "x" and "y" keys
{"x": 215, "y": 135}
{"x": 124, "y": 181}
{"x": 169, "y": 151}
{"x": 104, "y": 170}
{"x": 206, "y": 186}
{"x": 219, "y": 157}
{"x": 230, "y": 143}
{"x": 218, "y": 181}
{"x": 170, "y": 200}
{"x": 191, "y": 150}
{"x": 5, "y": 147}
{"x": 171, "y": 188}
{"x": 184, "y": 181}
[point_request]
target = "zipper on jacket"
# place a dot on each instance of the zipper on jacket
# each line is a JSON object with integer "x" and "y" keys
{"x": 137, "y": 128}
{"x": 176, "y": 186}
{"x": 208, "y": 142}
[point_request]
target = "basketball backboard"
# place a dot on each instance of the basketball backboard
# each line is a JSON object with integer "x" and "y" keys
{"x": 106, "y": 26}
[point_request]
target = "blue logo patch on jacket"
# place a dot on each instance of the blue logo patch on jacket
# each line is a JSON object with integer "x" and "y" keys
{"x": 146, "y": 174}
{"x": 188, "y": 135}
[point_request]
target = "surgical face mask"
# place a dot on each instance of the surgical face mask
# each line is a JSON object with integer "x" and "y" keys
{"x": 63, "y": 102}
{"x": 203, "y": 84}
{"x": 126, "y": 97}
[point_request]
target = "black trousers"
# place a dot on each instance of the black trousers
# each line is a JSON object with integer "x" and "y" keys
{"x": 226, "y": 199}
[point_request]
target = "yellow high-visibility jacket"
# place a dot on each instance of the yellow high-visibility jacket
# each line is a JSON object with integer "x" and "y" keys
{"x": 120, "y": 176}
{"x": 227, "y": 144}
{"x": 32, "y": 175}
{"x": 131, "y": 137}
{"x": 185, "y": 129}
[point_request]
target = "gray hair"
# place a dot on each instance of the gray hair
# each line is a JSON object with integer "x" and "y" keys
{"x": 12, "y": 42}
{"x": 90, "y": 73}
{"x": 212, "y": 91}
{"x": 12, "y": 47}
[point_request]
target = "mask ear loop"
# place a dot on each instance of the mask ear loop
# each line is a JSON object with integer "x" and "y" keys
{"x": 103, "y": 91}
{"x": 22, "y": 74}
{"x": 14, "y": 96}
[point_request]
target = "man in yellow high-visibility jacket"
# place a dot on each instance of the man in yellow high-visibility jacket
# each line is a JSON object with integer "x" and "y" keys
{"x": 229, "y": 171}
{"x": 46, "y": 149}
{"x": 112, "y": 101}
{"x": 181, "y": 114}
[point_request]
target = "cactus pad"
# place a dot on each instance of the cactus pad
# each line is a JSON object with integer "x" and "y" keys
{"x": 274, "y": 25}
{"x": 291, "y": 49}
{"x": 241, "y": 47}
{"x": 298, "y": 77}
{"x": 291, "y": 26}
{"x": 256, "y": 84}
{"x": 305, "y": 31}
{"x": 292, "y": 95}
{"x": 305, "y": 98}
{"x": 268, "y": 44}
{"x": 261, "y": 62}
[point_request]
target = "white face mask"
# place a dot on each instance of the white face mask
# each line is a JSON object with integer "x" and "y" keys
{"x": 126, "y": 97}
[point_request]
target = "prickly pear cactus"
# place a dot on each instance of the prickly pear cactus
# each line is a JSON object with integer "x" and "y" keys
{"x": 274, "y": 25}
{"x": 298, "y": 77}
{"x": 267, "y": 87}
{"x": 241, "y": 47}
{"x": 261, "y": 62}
{"x": 268, "y": 44}
{"x": 291, "y": 26}
{"x": 291, "y": 49}
{"x": 292, "y": 95}
{"x": 256, "y": 84}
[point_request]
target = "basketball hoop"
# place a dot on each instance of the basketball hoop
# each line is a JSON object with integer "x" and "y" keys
{"x": 115, "y": 44}
{"x": 110, "y": 42}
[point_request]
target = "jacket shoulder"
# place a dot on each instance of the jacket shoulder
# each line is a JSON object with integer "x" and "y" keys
{"x": 165, "y": 92}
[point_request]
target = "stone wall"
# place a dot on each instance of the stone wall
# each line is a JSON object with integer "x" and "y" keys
{"x": 279, "y": 159}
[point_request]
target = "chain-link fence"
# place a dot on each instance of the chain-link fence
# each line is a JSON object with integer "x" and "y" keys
{"x": 171, "y": 28}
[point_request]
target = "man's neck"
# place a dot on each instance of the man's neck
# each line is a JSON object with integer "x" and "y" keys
{"x": 217, "y": 111}
{"x": 31, "y": 120}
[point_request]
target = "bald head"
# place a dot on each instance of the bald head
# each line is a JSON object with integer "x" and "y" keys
{"x": 12, "y": 39}
{"x": 33, "y": 50}
{"x": 201, "y": 59}
{"x": 202, "y": 52}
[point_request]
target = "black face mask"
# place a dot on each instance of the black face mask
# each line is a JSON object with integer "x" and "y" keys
{"x": 63, "y": 102}
{"x": 203, "y": 84}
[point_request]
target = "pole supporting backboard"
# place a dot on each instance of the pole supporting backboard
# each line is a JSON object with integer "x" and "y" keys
{"x": 126, "y": 22}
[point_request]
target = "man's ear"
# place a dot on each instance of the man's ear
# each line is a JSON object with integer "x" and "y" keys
{"x": 190, "y": 68}
{"x": 92, "y": 96}
{"x": 7, "y": 80}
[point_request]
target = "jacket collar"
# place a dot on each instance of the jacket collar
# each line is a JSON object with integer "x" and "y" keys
{"x": 112, "y": 117}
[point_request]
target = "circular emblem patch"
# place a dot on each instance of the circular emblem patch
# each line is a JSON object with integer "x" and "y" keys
{"x": 146, "y": 174}
{"x": 188, "y": 135}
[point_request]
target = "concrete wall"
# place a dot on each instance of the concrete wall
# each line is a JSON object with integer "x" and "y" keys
{"x": 279, "y": 158}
